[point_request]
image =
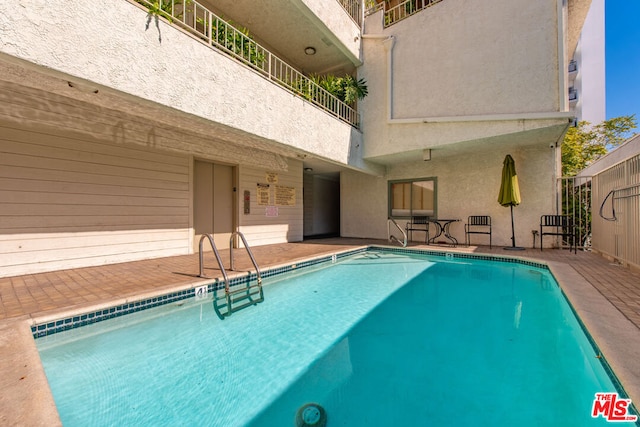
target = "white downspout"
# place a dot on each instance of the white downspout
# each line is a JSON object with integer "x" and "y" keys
{"x": 563, "y": 101}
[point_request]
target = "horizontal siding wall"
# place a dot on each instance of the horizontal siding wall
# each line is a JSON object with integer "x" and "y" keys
{"x": 260, "y": 229}
{"x": 69, "y": 202}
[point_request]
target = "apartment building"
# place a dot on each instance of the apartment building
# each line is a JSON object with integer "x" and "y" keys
{"x": 128, "y": 131}
{"x": 587, "y": 95}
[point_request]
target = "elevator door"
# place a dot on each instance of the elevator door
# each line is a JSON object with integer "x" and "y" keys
{"x": 213, "y": 203}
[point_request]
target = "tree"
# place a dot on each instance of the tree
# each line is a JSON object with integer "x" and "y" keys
{"x": 584, "y": 144}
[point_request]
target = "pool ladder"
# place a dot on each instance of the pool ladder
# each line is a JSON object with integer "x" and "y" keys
{"x": 391, "y": 237}
{"x": 225, "y": 305}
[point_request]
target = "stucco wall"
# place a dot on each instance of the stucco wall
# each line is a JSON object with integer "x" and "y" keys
{"x": 466, "y": 185}
{"x": 458, "y": 61}
{"x": 470, "y": 58}
{"x": 113, "y": 47}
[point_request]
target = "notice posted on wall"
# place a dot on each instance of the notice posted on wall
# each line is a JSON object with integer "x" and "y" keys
{"x": 263, "y": 194}
{"x": 271, "y": 211}
{"x": 272, "y": 177}
{"x": 285, "y": 196}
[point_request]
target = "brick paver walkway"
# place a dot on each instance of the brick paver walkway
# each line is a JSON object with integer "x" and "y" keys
{"x": 38, "y": 294}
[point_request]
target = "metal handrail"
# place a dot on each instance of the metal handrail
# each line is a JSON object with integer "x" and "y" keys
{"x": 217, "y": 254}
{"x": 227, "y": 290}
{"x": 393, "y": 238}
{"x": 352, "y": 7}
{"x": 220, "y": 264}
{"x": 246, "y": 246}
{"x": 217, "y": 33}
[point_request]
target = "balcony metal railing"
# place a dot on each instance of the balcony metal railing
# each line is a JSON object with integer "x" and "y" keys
{"x": 212, "y": 30}
{"x": 405, "y": 9}
{"x": 353, "y": 8}
{"x": 372, "y": 7}
{"x": 573, "y": 94}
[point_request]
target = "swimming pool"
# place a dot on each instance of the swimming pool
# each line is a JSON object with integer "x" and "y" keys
{"x": 376, "y": 338}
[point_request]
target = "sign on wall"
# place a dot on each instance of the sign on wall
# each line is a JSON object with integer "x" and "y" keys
{"x": 272, "y": 177}
{"x": 247, "y": 202}
{"x": 271, "y": 211}
{"x": 285, "y": 196}
{"x": 263, "y": 194}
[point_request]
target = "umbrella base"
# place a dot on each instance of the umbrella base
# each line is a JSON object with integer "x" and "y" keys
{"x": 513, "y": 248}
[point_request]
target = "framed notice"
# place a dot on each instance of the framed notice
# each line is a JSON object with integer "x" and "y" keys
{"x": 285, "y": 196}
{"x": 272, "y": 177}
{"x": 263, "y": 195}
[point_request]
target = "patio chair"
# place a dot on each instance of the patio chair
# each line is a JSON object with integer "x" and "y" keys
{"x": 418, "y": 223}
{"x": 558, "y": 225}
{"x": 477, "y": 224}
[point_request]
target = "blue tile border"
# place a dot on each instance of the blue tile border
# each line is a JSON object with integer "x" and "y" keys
{"x": 77, "y": 321}
{"x": 462, "y": 255}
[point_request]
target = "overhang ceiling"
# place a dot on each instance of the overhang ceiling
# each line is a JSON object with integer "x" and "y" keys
{"x": 544, "y": 136}
{"x": 286, "y": 28}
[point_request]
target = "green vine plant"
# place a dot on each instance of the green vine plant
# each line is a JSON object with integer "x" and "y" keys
{"x": 161, "y": 8}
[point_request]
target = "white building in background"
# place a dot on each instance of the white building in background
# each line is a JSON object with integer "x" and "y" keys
{"x": 126, "y": 136}
{"x": 587, "y": 94}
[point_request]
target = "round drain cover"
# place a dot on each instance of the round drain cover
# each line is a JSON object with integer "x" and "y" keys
{"x": 310, "y": 415}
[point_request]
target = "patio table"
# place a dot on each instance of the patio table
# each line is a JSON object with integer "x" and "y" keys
{"x": 442, "y": 226}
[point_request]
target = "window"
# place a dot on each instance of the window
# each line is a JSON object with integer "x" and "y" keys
{"x": 409, "y": 198}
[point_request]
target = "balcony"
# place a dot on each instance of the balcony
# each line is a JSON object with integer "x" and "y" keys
{"x": 397, "y": 10}
{"x": 215, "y": 32}
{"x": 352, "y": 7}
{"x": 573, "y": 66}
{"x": 573, "y": 96}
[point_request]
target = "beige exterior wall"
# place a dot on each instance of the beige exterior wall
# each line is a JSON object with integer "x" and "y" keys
{"x": 91, "y": 178}
{"x": 476, "y": 58}
{"x": 164, "y": 65}
{"x": 273, "y": 222}
{"x": 71, "y": 201}
{"x": 461, "y": 71}
{"x": 466, "y": 185}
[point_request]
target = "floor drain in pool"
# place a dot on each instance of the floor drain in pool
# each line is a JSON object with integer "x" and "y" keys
{"x": 310, "y": 415}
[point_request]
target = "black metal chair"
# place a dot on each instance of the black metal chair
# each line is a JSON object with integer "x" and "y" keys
{"x": 418, "y": 223}
{"x": 477, "y": 224}
{"x": 558, "y": 225}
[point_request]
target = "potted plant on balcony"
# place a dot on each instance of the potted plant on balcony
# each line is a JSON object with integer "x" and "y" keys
{"x": 347, "y": 89}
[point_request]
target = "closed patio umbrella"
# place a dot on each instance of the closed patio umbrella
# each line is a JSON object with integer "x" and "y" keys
{"x": 510, "y": 193}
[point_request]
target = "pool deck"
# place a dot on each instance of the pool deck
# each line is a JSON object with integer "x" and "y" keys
{"x": 605, "y": 295}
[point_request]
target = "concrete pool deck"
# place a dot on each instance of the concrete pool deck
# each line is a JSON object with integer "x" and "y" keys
{"x": 605, "y": 295}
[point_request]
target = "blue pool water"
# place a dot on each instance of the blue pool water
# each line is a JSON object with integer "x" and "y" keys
{"x": 377, "y": 339}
